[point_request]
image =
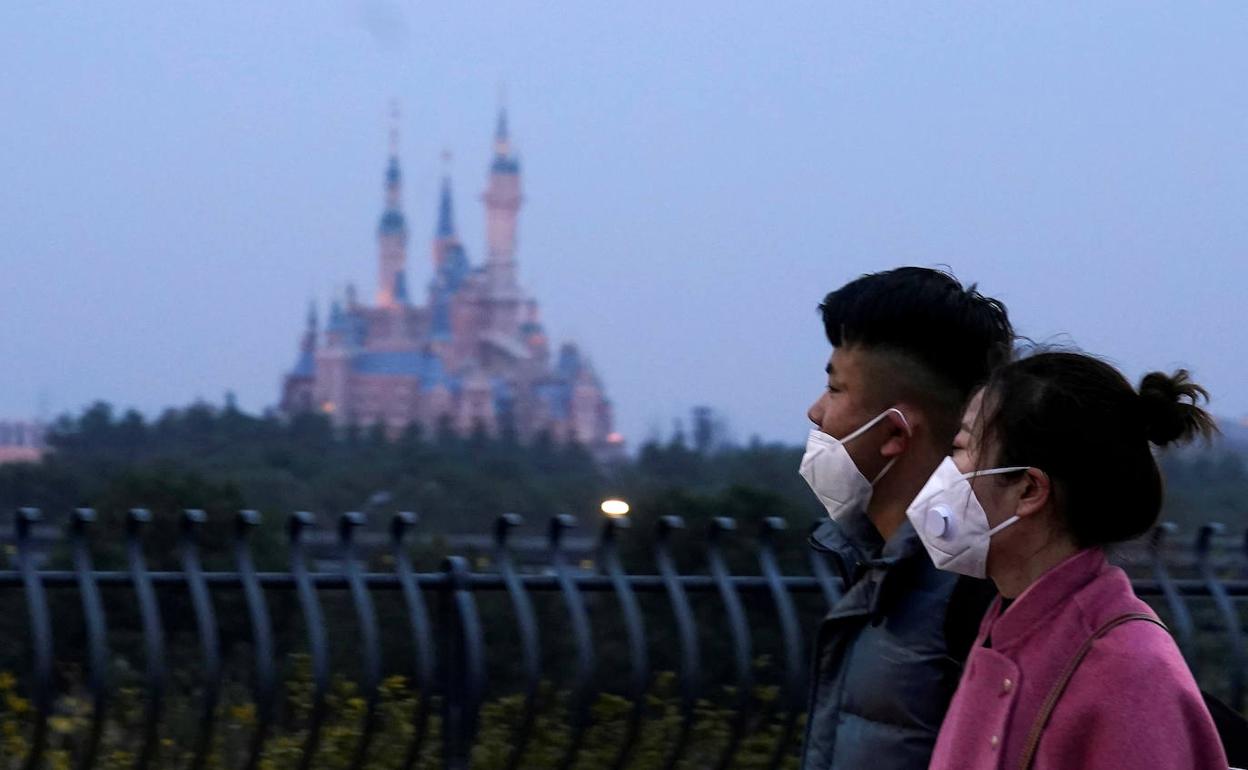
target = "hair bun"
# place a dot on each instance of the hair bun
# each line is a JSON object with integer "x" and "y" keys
{"x": 1171, "y": 411}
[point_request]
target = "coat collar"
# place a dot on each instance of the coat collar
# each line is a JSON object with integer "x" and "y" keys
{"x": 852, "y": 541}
{"x": 1043, "y": 598}
{"x": 865, "y": 559}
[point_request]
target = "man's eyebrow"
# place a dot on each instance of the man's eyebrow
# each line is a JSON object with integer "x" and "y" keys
{"x": 828, "y": 370}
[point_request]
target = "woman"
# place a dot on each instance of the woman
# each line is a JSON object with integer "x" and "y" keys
{"x": 1070, "y": 670}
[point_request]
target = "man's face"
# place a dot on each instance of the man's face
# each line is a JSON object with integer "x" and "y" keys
{"x": 849, "y": 401}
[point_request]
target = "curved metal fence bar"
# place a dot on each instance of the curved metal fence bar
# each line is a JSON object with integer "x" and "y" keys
{"x": 583, "y": 687}
{"x": 318, "y": 647}
{"x": 690, "y": 675}
{"x": 526, "y": 622}
{"x": 1213, "y": 566}
{"x": 97, "y": 631}
{"x": 261, "y": 633}
{"x": 634, "y": 628}
{"x": 422, "y": 638}
{"x": 740, "y": 634}
{"x": 790, "y": 631}
{"x": 153, "y": 636}
{"x": 1180, "y": 617}
{"x": 366, "y": 617}
{"x": 40, "y": 634}
{"x": 828, "y": 583}
{"x": 465, "y": 665}
{"x": 1226, "y": 610}
{"x": 206, "y": 628}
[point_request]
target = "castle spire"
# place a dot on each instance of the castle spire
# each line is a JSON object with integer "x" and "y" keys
{"x": 309, "y": 335}
{"x": 446, "y": 212}
{"x": 392, "y": 229}
{"x": 502, "y": 141}
{"x": 502, "y": 205}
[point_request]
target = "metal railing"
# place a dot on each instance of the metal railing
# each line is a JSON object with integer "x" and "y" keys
{"x": 448, "y": 658}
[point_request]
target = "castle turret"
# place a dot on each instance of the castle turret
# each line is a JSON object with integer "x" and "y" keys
{"x": 502, "y": 205}
{"x": 392, "y": 230}
{"x": 444, "y": 237}
{"x": 298, "y": 385}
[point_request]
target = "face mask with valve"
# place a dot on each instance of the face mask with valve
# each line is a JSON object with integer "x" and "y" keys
{"x": 952, "y": 523}
{"x": 832, "y": 474}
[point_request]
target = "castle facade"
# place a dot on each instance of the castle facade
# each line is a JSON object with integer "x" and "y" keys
{"x": 473, "y": 356}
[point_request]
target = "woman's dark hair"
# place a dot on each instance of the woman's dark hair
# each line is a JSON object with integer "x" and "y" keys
{"x": 1078, "y": 419}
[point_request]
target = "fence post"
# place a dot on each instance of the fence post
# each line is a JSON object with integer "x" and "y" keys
{"x": 97, "y": 631}
{"x": 40, "y": 633}
{"x": 206, "y": 626}
{"x": 153, "y": 635}
{"x": 1221, "y": 600}
{"x": 465, "y": 665}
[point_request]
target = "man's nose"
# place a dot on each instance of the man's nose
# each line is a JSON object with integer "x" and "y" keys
{"x": 815, "y": 412}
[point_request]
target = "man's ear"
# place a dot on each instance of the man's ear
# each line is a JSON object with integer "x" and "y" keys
{"x": 1037, "y": 491}
{"x": 900, "y": 422}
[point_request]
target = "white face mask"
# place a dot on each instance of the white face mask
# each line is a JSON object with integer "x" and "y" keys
{"x": 832, "y": 474}
{"x": 950, "y": 521}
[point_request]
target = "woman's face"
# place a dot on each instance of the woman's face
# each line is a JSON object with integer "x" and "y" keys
{"x": 966, "y": 443}
{"x": 998, "y": 494}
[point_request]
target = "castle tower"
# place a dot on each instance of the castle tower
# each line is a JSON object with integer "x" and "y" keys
{"x": 307, "y": 348}
{"x": 392, "y": 230}
{"x": 445, "y": 238}
{"x": 502, "y": 204}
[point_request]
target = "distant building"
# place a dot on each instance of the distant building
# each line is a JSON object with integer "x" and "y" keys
{"x": 474, "y": 356}
{"x": 21, "y": 442}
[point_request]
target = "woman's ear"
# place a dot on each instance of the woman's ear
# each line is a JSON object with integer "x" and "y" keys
{"x": 1037, "y": 489}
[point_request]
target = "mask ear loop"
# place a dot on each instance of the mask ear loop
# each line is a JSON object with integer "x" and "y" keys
{"x": 904, "y": 423}
{"x": 994, "y": 472}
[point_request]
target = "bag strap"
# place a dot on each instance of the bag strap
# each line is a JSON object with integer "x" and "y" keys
{"x": 1046, "y": 708}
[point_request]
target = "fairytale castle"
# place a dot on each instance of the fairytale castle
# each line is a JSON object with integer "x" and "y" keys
{"x": 474, "y": 356}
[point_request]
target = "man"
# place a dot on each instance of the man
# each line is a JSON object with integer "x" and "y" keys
{"x": 909, "y": 347}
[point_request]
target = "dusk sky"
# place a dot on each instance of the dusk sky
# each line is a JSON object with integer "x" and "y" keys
{"x": 178, "y": 180}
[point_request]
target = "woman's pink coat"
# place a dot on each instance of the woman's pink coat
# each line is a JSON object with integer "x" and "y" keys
{"x": 1132, "y": 704}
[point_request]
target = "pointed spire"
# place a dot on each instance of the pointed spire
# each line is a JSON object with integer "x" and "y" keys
{"x": 446, "y": 214}
{"x": 336, "y": 317}
{"x": 309, "y": 335}
{"x": 504, "y": 162}
{"x": 500, "y": 130}
{"x": 392, "y": 218}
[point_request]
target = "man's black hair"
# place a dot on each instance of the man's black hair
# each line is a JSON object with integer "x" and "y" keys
{"x": 957, "y": 335}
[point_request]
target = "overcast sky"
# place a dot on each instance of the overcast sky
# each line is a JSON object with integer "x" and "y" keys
{"x": 177, "y": 180}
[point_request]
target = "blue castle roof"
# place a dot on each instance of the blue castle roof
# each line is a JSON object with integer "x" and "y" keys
{"x": 505, "y": 164}
{"x": 305, "y": 366}
{"x": 557, "y": 396}
{"x": 392, "y": 221}
{"x": 405, "y": 363}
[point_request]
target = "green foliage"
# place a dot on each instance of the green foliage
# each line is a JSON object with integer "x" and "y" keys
{"x": 397, "y": 703}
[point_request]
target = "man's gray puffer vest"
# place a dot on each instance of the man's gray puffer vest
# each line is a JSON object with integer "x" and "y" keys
{"x": 888, "y": 656}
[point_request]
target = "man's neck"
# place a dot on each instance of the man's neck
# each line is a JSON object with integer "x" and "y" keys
{"x": 887, "y": 508}
{"x": 887, "y": 517}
